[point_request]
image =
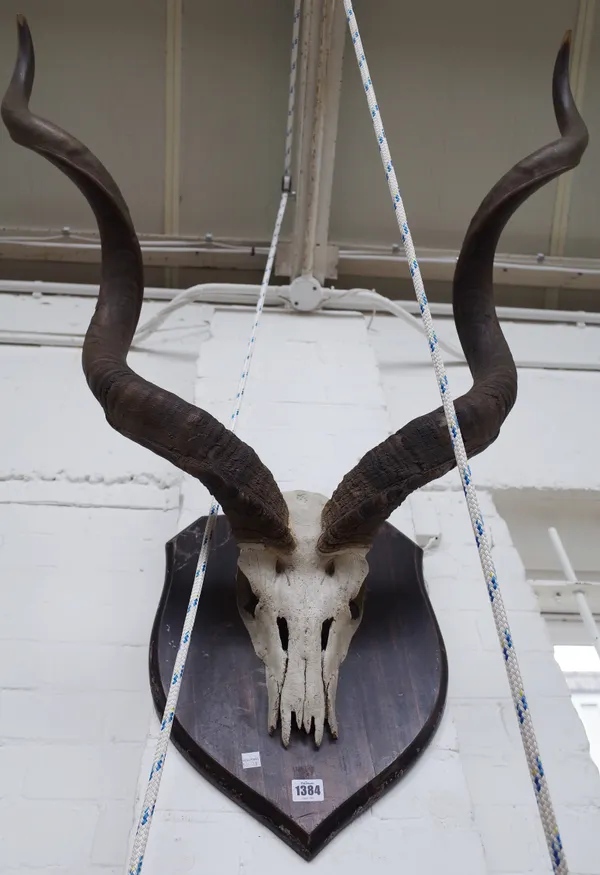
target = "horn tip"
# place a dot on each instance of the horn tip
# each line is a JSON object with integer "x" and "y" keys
{"x": 21, "y": 20}
{"x": 567, "y": 38}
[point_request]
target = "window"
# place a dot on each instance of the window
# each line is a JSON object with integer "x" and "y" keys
{"x": 529, "y": 513}
{"x": 581, "y": 667}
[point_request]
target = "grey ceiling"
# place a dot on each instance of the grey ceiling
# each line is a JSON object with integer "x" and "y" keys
{"x": 464, "y": 88}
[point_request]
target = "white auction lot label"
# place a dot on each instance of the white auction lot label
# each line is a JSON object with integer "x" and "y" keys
{"x": 308, "y": 790}
{"x": 251, "y": 760}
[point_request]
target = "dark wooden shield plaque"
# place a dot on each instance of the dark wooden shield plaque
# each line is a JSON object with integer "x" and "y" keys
{"x": 391, "y": 693}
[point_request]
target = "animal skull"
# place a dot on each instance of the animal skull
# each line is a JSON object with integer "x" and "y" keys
{"x": 302, "y": 559}
{"x": 301, "y": 611}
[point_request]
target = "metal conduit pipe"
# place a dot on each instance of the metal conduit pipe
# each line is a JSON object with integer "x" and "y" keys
{"x": 437, "y": 265}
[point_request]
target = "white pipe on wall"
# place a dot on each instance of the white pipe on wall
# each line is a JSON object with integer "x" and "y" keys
{"x": 584, "y": 609}
{"x": 189, "y": 296}
{"x": 276, "y": 295}
{"x": 33, "y": 338}
{"x": 240, "y": 294}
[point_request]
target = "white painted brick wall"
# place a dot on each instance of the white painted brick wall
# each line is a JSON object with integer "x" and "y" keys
{"x": 81, "y": 568}
{"x": 556, "y": 410}
{"x": 84, "y": 516}
{"x": 338, "y": 412}
{"x": 540, "y": 448}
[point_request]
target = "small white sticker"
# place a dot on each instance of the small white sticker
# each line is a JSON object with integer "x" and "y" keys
{"x": 251, "y": 760}
{"x": 308, "y": 790}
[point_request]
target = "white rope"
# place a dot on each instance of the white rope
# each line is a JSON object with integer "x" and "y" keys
{"x": 143, "y": 830}
{"x": 548, "y": 818}
{"x": 289, "y": 133}
{"x": 136, "y": 858}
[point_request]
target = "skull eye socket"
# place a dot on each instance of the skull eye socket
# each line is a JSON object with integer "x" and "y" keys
{"x": 330, "y": 568}
{"x": 357, "y": 604}
{"x": 279, "y": 566}
{"x": 246, "y": 599}
{"x": 354, "y": 609}
{"x": 250, "y": 602}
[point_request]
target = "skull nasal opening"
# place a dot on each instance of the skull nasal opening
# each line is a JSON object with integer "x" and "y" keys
{"x": 325, "y": 633}
{"x": 284, "y": 635}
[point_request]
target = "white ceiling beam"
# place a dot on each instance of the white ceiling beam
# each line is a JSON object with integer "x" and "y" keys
{"x": 437, "y": 265}
{"x": 173, "y": 74}
{"x": 580, "y": 59}
{"x": 320, "y": 73}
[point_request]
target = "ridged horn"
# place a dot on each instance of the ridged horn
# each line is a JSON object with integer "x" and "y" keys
{"x": 422, "y": 451}
{"x": 185, "y": 435}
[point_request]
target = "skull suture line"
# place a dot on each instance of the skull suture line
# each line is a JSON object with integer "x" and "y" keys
{"x": 302, "y": 611}
{"x": 304, "y": 557}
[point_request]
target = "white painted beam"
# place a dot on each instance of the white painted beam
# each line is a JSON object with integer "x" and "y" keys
{"x": 173, "y": 72}
{"x": 320, "y": 69}
{"x": 437, "y": 265}
{"x": 580, "y": 58}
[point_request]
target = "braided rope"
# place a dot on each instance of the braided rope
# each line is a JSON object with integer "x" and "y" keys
{"x": 289, "y": 134}
{"x": 143, "y": 830}
{"x": 136, "y": 858}
{"x": 548, "y": 818}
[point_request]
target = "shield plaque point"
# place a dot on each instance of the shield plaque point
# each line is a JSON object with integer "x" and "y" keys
{"x": 390, "y": 700}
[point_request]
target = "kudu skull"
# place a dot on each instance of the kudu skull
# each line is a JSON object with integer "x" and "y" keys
{"x": 302, "y": 563}
{"x": 301, "y": 612}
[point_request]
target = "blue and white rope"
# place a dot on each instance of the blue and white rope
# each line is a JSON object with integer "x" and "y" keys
{"x": 136, "y": 858}
{"x": 557, "y": 855}
{"x": 143, "y": 830}
{"x": 289, "y": 133}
